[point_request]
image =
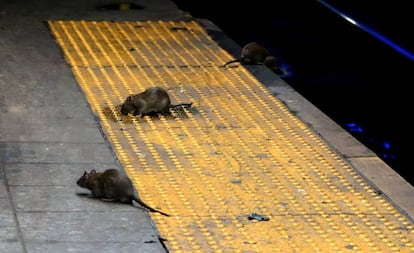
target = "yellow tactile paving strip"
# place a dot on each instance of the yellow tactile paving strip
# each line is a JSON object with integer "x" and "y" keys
{"x": 238, "y": 150}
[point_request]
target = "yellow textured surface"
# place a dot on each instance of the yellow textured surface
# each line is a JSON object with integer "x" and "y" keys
{"x": 238, "y": 150}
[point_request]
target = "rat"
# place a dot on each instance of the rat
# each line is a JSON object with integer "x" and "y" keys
{"x": 152, "y": 100}
{"x": 112, "y": 185}
{"x": 251, "y": 53}
{"x": 272, "y": 63}
{"x": 255, "y": 54}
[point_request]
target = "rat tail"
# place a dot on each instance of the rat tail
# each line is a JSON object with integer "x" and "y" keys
{"x": 139, "y": 201}
{"x": 227, "y": 63}
{"x": 186, "y": 105}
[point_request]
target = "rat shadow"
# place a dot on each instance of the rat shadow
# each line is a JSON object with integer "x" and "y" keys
{"x": 114, "y": 114}
{"x": 91, "y": 197}
{"x": 108, "y": 201}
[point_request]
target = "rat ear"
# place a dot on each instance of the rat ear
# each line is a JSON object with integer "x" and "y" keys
{"x": 129, "y": 98}
{"x": 93, "y": 171}
{"x": 85, "y": 173}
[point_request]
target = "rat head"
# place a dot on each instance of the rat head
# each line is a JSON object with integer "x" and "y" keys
{"x": 272, "y": 63}
{"x": 127, "y": 106}
{"x": 82, "y": 181}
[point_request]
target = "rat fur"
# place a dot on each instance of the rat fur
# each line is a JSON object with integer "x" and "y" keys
{"x": 112, "y": 185}
{"x": 152, "y": 100}
{"x": 255, "y": 54}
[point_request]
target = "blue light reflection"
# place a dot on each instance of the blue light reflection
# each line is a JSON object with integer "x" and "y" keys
{"x": 369, "y": 30}
{"x": 382, "y": 148}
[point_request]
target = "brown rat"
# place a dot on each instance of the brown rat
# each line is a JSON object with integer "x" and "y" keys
{"x": 112, "y": 185}
{"x": 272, "y": 63}
{"x": 152, "y": 100}
{"x": 253, "y": 54}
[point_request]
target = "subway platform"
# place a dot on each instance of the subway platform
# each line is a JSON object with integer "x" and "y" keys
{"x": 251, "y": 166}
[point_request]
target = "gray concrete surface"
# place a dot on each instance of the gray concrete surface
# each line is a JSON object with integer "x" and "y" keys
{"x": 49, "y": 136}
